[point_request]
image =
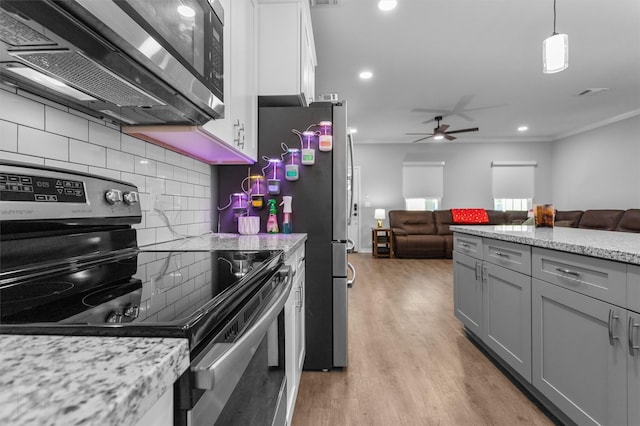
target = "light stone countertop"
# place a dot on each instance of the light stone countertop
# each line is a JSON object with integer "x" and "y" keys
{"x": 68, "y": 380}
{"x": 619, "y": 246}
{"x": 286, "y": 242}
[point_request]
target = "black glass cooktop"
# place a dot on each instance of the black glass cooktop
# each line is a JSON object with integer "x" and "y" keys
{"x": 167, "y": 294}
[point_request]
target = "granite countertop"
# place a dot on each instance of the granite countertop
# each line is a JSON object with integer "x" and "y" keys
{"x": 618, "y": 246}
{"x": 67, "y": 380}
{"x": 286, "y": 242}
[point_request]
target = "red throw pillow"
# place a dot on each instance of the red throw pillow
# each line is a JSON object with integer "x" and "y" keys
{"x": 469, "y": 216}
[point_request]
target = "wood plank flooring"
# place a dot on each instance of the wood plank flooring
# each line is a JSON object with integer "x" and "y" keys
{"x": 410, "y": 362}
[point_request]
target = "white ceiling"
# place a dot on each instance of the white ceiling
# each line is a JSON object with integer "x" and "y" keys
{"x": 484, "y": 54}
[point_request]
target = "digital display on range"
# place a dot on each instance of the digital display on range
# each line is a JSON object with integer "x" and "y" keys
{"x": 15, "y": 187}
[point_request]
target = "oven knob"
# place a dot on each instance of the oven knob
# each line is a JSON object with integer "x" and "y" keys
{"x": 130, "y": 197}
{"x": 113, "y": 196}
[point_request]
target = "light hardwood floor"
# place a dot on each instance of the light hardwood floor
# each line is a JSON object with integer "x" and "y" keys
{"x": 410, "y": 362}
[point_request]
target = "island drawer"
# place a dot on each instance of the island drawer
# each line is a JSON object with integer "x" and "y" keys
{"x": 603, "y": 279}
{"x": 633, "y": 288}
{"x": 516, "y": 257}
{"x": 468, "y": 244}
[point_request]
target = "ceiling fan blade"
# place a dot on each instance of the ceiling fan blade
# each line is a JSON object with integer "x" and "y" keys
{"x": 431, "y": 110}
{"x": 461, "y": 104}
{"x": 474, "y": 129}
{"x": 421, "y": 139}
{"x": 449, "y": 138}
{"x": 442, "y": 129}
{"x": 418, "y": 134}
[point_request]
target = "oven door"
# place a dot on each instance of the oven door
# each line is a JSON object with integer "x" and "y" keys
{"x": 244, "y": 382}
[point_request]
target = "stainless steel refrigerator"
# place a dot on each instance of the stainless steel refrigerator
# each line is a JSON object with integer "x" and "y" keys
{"x": 320, "y": 209}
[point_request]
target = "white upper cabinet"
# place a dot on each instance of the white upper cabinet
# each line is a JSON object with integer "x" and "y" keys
{"x": 287, "y": 54}
{"x": 238, "y": 128}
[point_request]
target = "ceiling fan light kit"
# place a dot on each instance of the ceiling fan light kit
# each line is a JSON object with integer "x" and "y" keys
{"x": 555, "y": 50}
{"x": 440, "y": 132}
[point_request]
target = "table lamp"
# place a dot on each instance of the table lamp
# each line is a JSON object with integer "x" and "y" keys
{"x": 380, "y": 215}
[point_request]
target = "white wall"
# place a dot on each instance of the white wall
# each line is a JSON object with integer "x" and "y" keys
{"x": 599, "y": 169}
{"x": 467, "y": 173}
{"x": 35, "y": 130}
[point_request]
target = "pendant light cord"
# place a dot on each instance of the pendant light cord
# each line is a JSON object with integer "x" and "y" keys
{"x": 554, "y": 17}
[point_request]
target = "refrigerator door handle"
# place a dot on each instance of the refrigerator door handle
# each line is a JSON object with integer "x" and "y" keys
{"x": 353, "y": 276}
{"x": 350, "y": 245}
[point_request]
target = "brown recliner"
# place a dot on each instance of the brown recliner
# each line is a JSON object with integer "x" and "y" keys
{"x": 414, "y": 234}
{"x": 606, "y": 220}
{"x": 567, "y": 218}
{"x": 630, "y": 221}
{"x": 443, "y": 219}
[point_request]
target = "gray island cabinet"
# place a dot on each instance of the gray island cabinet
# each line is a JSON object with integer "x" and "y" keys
{"x": 560, "y": 310}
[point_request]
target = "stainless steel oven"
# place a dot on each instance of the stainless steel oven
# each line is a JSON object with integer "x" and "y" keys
{"x": 70, "y": 265}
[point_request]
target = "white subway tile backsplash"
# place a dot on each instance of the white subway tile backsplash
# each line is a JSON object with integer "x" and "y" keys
{"x": 20, "y": 110}
{"x": 165, "y": 170}
{"x": 87, "y": 153}
{"x": 42, "y": 144}
{"x": 132, "y": 145}
{"x": 137, "y": 180}
{"x": 21, "y": 158}
{"x": 8, "y": 136}
{"x": 35, "y": 130}
{"x": 180, "y": 174}
{"x": 102, "y": 135}
{"x": 108, "y": 173}
{"x": 155, "y": 152}
{"x": 119, "y": 160}
{"x": 65, "y": 124}
{"x": 144, "y": 166}
{"x": 66, "y": 165}
{"x": 41, "y": 100}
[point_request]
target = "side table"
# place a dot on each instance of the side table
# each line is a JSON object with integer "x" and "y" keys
{"x": 382, "y": 242}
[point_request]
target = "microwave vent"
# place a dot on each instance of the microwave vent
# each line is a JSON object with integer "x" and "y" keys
{"x": 15, "y": 33}
{"x": 86, "y": 75}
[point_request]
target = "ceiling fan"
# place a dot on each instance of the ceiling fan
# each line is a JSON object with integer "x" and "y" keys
{"x": 440, "y": 132}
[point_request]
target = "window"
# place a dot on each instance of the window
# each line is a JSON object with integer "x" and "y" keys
{"x": 421, "y": 203}
{"x": 513, "y": 184}
{"x": 505, "y": 204}
{"x": 422, "y": 184}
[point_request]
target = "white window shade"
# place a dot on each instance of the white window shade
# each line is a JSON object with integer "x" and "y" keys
{"x": 513, "y": 179}
{"x": 423, "y": 179}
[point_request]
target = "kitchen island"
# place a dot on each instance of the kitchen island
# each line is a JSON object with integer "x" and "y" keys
{"x": 559, "y": 309}
{"x": 83, "y": 380}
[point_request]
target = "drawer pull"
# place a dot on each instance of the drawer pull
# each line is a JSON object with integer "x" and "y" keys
{"x": 501, "y": 254}
{"x": 463, "y": 244}
{"x": 612, "y": 338}
{"x": 632, "y": 347}
{"x": 568, "y": 272}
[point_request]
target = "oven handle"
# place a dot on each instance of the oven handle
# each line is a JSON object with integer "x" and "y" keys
{"x": 231, "y": 359}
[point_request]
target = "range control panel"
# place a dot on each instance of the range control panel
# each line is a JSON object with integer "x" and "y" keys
{"x": 30, "y": 192}
{"x": 18, "y": 187}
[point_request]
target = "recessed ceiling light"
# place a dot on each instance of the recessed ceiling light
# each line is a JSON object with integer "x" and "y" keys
{"x": 365, "y": 75}
{"x": 387, "y": 5}
{"x": 523, "y": 128}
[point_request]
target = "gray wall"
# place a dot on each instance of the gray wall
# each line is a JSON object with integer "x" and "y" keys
{"x": 594, "y": 169}
{"x": 599, "y": 169}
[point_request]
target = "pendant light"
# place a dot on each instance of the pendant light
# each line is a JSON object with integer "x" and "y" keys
{"x": 555, "y": 50}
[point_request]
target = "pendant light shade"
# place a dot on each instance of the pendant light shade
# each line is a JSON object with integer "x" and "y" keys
{"x": 555, "y": 53}
{"x": 555, "y": 50}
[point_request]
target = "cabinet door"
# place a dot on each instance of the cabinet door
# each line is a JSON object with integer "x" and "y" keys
{"x": 467, "y": 292}
{"x": 507, "y": 316}
{"x": 580, "y": 359}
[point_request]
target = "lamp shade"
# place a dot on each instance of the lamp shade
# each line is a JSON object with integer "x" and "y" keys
{"x": 379, "y": 214}
{"x": 555, "y": 53}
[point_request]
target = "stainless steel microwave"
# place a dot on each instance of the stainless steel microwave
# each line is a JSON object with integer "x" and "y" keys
{"x": 133, "y": 61}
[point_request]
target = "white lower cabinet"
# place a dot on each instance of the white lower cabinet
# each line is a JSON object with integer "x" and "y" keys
{"x": 295, "y": 329}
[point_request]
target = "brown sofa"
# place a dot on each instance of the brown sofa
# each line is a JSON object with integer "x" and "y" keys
{"x": 426, "y": 234}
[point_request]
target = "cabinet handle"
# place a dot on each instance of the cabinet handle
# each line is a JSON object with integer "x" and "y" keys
{"x": 461, "y": 244}
{"x": 612, "y": 316}
{"x": 568, "y": 272}
{"x": 501, "y": 254}
{"x": 484, "y": 273}
{"x": 477, "y": 270}
{"x": 299, "y": 298}
{"x": 632, "y": 347}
